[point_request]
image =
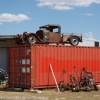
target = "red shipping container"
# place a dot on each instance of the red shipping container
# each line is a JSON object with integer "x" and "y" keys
{"x": 30, "y": 65}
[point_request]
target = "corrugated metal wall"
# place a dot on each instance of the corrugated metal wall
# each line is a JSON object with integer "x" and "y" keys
{"x": 29, "y": 65}
{"x": 63, "y": 58}
{"x": 4, "y": 58}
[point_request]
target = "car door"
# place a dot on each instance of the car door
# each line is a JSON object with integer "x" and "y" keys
{"x": 54, "y": 37}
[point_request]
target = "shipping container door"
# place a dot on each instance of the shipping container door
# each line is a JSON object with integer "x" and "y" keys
{"x": 25, "y": 64}
{"x": 20, "y": 66}
{"x": 14, "y": 69}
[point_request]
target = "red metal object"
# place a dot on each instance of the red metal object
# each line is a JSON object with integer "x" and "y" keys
{"x": 29, "y": 65}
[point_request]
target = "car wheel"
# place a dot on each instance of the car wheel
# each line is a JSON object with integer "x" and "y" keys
{"x": 31, "y": 39}
{"x": 74, "y": 40}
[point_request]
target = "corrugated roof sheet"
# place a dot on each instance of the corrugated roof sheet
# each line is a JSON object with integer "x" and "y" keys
{"x": 7, "y": 40}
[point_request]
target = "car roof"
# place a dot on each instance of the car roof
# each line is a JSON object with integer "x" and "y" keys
{"x": 50, "y": 25}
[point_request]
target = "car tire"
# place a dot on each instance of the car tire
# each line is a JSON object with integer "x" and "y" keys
{"x": 32, "y": 39}
{"x": 74, "y": 40}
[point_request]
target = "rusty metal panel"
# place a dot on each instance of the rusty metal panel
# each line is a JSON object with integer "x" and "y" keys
{"x": 29, "y": 65}
{"x": 65, "y": 37}
{"x": 52, "y": 38}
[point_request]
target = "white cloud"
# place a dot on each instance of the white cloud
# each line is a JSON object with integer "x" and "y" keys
{"x": 65, "y": 4}
{"x": 88, "y": 14}
{"x": 89, "y": 39}
{"x": 88, "y": 35}
{"x": 6, "y": 17}
{"x": 61, "y": 7}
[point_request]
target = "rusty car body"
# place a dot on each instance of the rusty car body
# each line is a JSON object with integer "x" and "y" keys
{"x": 50, "y": 33}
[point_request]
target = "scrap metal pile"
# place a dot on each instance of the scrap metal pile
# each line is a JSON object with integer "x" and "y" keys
{"x": 85, "y": 81}
{"x": 3, "y": 77}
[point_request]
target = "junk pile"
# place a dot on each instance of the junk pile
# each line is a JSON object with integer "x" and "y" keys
{"x": 85, "y": 81}
{"x": 3, "y": 78}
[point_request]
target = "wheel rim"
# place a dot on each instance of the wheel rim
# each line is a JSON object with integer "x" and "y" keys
{"x": 74, "y": 41}
{"x": 32, "y": 40}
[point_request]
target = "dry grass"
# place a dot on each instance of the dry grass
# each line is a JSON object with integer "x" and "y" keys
{"x": 50, "y": 94}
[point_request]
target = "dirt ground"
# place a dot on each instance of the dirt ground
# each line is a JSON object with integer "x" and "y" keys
{"x": 49, "y": 94}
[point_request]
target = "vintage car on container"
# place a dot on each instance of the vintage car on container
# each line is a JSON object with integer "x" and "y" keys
{"x": 50, "y": 33}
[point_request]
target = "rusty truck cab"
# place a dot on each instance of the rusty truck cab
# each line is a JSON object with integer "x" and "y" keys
{"x": 48, "y": 33}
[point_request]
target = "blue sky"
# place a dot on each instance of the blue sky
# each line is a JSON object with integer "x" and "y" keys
{"x": 77, "y": 16}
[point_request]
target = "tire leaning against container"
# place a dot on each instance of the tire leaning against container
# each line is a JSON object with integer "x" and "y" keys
{"x": 32, "y": 39}
{"x": 74, "y": 40}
